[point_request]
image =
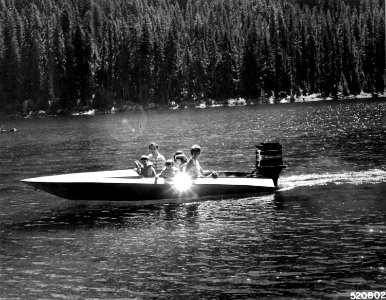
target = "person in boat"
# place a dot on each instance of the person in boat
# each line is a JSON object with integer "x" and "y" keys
{"x": 145, "y": 167}
{"x": 169, "y": 171}
{"x": 193, "y": 168}
{"x": 180, "y": 162}
{"x": 178, "y": 152}
{"x": 156, "y": 158}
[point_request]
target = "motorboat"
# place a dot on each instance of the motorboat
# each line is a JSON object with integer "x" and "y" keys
{"x": 127, "y": 185}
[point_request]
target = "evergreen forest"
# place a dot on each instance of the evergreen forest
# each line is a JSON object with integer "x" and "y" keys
{"x": 66, "y": 55}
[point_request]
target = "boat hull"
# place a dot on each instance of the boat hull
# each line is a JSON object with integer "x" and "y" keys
{"x": 126, "y": 185}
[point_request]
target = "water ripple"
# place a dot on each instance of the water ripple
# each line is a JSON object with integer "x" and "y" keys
{"x": 321, "y": 235}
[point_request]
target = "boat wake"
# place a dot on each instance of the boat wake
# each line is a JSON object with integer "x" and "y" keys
{"x": 364, "y": 177}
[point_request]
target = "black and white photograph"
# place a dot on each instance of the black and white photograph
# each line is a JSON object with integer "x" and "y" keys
{"x": 192, "y": 149}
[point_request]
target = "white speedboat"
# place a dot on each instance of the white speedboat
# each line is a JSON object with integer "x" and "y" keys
{"x": 127, "y": 185}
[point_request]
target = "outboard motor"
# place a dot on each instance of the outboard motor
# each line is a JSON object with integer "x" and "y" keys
{"x": 269, "y": 160}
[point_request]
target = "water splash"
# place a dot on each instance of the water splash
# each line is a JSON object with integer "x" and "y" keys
{"x": 363, "y": 177}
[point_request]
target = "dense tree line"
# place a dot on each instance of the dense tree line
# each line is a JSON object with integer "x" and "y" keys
{"x": 62, "y": 55}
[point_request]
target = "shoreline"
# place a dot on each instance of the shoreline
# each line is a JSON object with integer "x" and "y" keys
{"x": 209, "y": 103}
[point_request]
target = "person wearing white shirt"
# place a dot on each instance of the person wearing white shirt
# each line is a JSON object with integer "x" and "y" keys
{"x": 156, "y": 158}
{"x": 193, "y": 168}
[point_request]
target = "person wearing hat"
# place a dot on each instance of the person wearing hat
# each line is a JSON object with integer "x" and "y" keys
{"x": 193, "y": 168}
{"x": 145, "y": 167}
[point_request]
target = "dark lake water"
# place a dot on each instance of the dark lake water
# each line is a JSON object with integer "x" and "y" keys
{"x": 321, "y": 235}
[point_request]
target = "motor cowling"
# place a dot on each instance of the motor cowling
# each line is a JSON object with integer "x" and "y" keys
{"x": 269, "y": 160}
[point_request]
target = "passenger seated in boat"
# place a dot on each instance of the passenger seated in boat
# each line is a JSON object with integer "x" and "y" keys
{"x": 180, "y": 162}
{"x": 178, "y": 152}
{"x": 169, "y": 171}
{"x": 193, "y": 168}
{"x": 145, "y": 167}
{"x": 156, "y": 158}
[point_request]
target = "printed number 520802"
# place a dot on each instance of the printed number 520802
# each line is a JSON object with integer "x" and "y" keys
{"x": 368, "y": 295}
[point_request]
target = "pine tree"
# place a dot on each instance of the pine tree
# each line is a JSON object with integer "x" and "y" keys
{"x": 379, "y": 36}
{"x": 301, "y": 60}
{"x": 11, "y": 67}
{"x": 36, "y": 73}
{"x": 312, "y": 63}
{"x": 144, "y": 66}
{"x": 249, "y": 71}
{"x": 2, "y": 102}
{"x": 169, "y": 68}
{"x": 268, "y": 67}
{"x": 213, "y": 52}
{"x": 347, "y": 56}
{"x": 59, "y": 69}
{"x": 369, "y": 66}
{"x": 226, "y": 69}
{"x": 198, "y": 68}
{"x": 82, "y": 68}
